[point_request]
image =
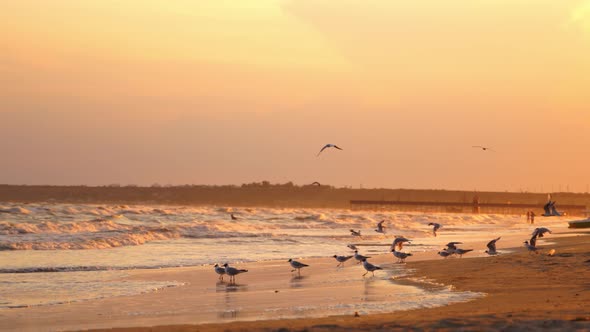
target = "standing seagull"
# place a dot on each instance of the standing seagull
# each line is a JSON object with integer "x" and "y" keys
{"x": 370, "y": 267}
{"x": 297, "y": 266}
{"x": 492, "y": 247}
{"x": 444, "y": 253}
{"x": 342, "y": 259}
{"x": 232, "y": 272}
{"x": 452, "y": 247}
{"x": 460, "y": 251}
{"x": 380, "y": 227}
{"x": 359, "y": 257}
{"x": 401, "y": 256}
{"x": 219, "y": 270}
{"x": 435, "y": 227}
{"x": 233, "y": 217}
{"x": 328, "y": 146}
{"x": 484, "y": 148}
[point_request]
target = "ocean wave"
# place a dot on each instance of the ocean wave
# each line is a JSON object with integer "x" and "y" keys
{"x": 51, "y": 269}
{"x": 15, "y": 210}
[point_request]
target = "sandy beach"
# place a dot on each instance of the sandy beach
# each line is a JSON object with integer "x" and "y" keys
{"x": 524, "y": 292}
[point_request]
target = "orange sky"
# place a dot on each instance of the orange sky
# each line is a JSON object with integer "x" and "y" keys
{"x": 222, "y": 91}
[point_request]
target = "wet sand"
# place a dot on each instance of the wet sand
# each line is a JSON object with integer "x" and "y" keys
{"x": 525, "y": 292}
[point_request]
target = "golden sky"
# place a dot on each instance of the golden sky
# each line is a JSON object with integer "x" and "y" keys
{"x": 227, "y": 91}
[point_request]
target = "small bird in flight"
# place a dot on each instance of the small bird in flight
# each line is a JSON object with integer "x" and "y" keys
{"x": 484, "y": 148}
{"x": 380, "y": 227}
{"x": 328, "y": 146}
{"x": 435, "y": 227}
{"x": 355, "y": 233}
{"x": 315, "y": 183}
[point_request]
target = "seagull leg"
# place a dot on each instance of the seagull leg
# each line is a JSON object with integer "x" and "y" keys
{"x": 365, "y": 273}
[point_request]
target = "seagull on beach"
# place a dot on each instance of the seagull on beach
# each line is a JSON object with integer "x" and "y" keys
{"x": 492, "y": 247}
{"x": 232, "y": 272}
{"x": 460, "y": 251}
{"x": 297, "y": 266}
{"x": 219, "y": 270}
{"x": 380, "y": 227}
{"x": 399, "y": 242}
{"x": 540, "y": 231}
{"x": 530, "y": 247}
{"x": 233, "y": 217}
{"x": 435, "y": 227}
{"x": 533, "y": 241}
{"x": 359, "y": 257}
{"x": 484, "y": 148}
{"x": 370, "y": 267}
{"x": 355, "y": 233}
{"x": 401, "y": 256}
{"x": 444, "y": 253}
{"x": 328, "y": 146}
{"x": 452, "y": 247}
{"x": 342, "y": 259}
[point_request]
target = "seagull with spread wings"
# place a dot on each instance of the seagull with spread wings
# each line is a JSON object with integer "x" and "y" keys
{"x": 329, "y": 146}
{"x": 484, "y": 148}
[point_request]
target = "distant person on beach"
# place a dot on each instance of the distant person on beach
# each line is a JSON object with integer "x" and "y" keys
{"x": 528, "y": 217}
{"x": 532, "y": 217}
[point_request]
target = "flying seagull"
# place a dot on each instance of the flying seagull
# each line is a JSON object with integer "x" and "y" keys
{"x": 538, "y": 232}
{"x": 484, "y": 148}
{"x": 355, "y": 233}
{"x": 435, "y": 227}
{"x": 316, "y": 183}
{"x": 380, "y": 227}
{"x": 399, "y": 242}
{"x": 328, "y": 146}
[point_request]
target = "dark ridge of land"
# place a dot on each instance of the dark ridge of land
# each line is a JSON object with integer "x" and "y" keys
{"x": 264, "y": 194}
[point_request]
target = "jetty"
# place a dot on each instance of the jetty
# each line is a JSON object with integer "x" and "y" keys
{"x": 461, "y": 207}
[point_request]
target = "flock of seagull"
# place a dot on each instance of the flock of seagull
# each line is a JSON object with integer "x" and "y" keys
{"x": 451, "y": 249}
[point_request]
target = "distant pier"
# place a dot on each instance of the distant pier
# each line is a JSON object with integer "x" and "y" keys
{"x": 463, "y": 207}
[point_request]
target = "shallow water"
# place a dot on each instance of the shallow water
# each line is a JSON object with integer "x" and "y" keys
{"x": 61, "y": 253}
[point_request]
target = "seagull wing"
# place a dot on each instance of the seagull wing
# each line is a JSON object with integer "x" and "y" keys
{"x": 325, "y": 146}
{"x": 492, "y": 245}
{"x": 336, "y": 147}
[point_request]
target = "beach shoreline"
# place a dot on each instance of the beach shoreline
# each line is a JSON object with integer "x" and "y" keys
{"x": 523, "y": 292}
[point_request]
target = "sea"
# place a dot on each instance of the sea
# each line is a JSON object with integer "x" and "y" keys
{"x": 52, "y": 254}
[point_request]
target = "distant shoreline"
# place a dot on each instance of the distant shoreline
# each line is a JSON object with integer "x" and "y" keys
{"x": 262, "y": 195}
